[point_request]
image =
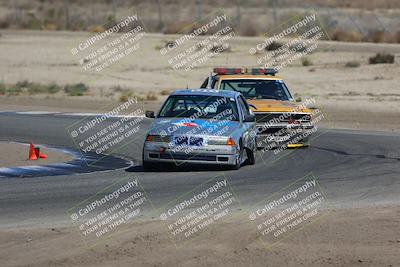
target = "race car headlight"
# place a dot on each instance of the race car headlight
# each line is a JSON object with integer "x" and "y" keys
{"x": 158, "y": 138}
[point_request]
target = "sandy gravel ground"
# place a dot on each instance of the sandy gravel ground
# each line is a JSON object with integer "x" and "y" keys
{"x": 352, "y": 237}
{"x": 15, "y": 154}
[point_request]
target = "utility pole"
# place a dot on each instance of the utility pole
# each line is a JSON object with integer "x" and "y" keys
{"x": 198, "y": 10}
{"x": 67, "y": 19}
{"x": 238, "y": 15}
{"x": 17, "y": 12}
{"x": 160, "y": 23}
{"x": 274, "y": 4}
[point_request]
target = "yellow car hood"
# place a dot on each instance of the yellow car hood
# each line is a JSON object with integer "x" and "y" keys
{"x": 271, "y": 105}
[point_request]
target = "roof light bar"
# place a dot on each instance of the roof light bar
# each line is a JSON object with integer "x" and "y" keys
{"x": 253, "y": 71}
{"x": 267, "y": 71}
{"x": 228, "y": 70}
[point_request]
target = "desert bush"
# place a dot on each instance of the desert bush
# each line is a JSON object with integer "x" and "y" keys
{"x": 396, "y": 37}
{"x": 306, "y": 62}
{"x": 151, "y": 96}
{"x": 53, "y": 88}
{"x": 352, "y": 64}
{"x": 36, "y": 88}
{"x": 249, "y": 29}
{"x": 273, "y": 46}
{"x": 178, "y": 27}
{"x": 220, "y": 48}
{"x": 129, "y": 94}
{"x": 124, "y": 97}
{"x": 78, "y": 89}
{"x": 4, "y": 23}
{"x": 375, "y": 37}
{"x": 50, "y": 26}
{"x": 382, "y": 59}
{"x": 15, "y": 89}
{"x": 165, "y": 92}
{"x": 23, "y": 84}
{"x": 34, "y": 23}
{"x": 117, "y": 88}
{"x": 341, "y": 35}
{"x": 3, "y": 89}
{"x": 95, "y": 29}
{"x": 170, "y": 44}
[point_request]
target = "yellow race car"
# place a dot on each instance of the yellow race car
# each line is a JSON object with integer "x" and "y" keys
{"x": 281, "y": 121}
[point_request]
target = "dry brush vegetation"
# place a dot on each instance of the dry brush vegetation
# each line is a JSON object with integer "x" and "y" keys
{"x": 345, "y": 20}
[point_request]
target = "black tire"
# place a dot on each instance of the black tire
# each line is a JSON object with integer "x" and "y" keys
{"x": 251, "y": 156}
{"x": 150, "y": 166}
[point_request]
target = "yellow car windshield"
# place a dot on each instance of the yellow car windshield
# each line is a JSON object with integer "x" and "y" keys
{"x": 257, "y": 89}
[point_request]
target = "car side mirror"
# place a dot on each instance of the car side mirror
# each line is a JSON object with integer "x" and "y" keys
{"x": 249, "y": 118}
{"x": 149, "y": 114}
{"x": 298, "y": 99}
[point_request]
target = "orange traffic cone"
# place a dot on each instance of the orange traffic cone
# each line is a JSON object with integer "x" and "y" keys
{"x": 42, "y": 156}
{"x": 32, "y": 153}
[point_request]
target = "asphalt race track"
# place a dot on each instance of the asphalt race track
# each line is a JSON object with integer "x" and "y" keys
{"x": 353, "y": 167}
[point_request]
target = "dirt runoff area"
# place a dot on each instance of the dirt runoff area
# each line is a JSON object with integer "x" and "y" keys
{"x": 347, "y": 237}
{"x": 16, "y": 155}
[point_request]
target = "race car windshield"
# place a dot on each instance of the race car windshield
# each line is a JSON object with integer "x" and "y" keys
{"x": 258, "y": 89}
{"x": 200, "y": 107}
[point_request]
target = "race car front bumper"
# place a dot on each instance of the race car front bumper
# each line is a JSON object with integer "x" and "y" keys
{"x": 210, "y": 155}
{"x": 284, "y": 135}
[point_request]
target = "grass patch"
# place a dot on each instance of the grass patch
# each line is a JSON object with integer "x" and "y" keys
{"x": 306, "y": 62}
{"x": 78, "y": 89}
{"x": 352, "y": 64}
{"x": 29, "y": 87}
{"x": 13, "y": 90}
{"x": 36, "y": 88}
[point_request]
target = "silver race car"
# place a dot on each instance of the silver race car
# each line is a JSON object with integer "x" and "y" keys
{"x": 201, "y": 127}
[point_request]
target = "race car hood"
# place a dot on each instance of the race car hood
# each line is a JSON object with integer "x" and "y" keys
{"x": 185, "y": 126}
{"x": 272, "y": 105}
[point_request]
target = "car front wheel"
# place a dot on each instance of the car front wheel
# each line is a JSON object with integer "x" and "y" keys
{"x": 251, "y": 156}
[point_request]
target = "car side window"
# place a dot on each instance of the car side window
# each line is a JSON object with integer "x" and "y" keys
{"x": 248, "y": 112}
{"x": 213, "y": 83}
{"x": 243, "y": 107}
